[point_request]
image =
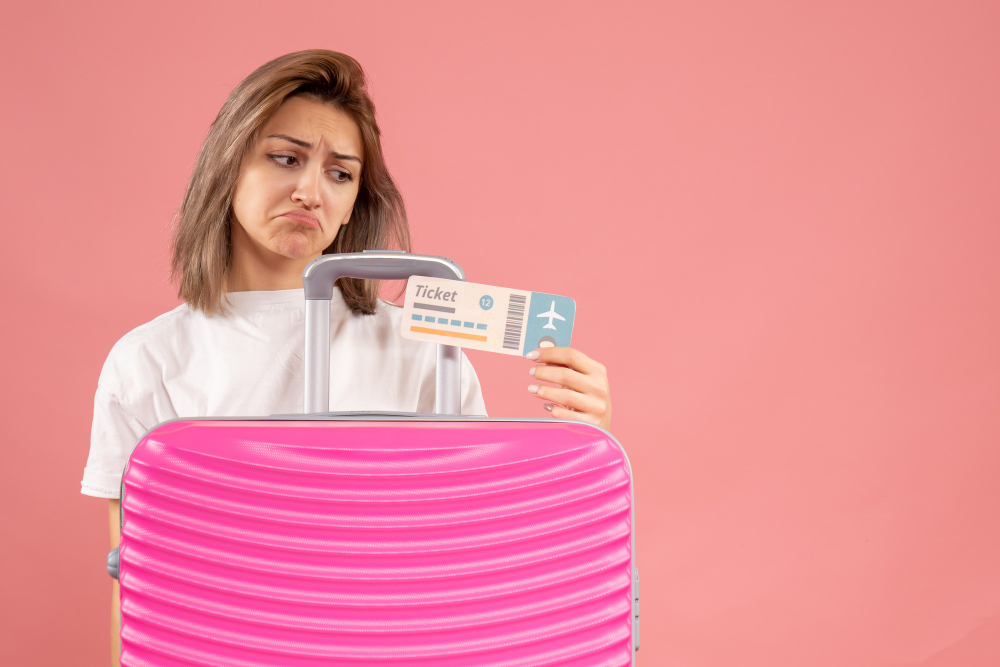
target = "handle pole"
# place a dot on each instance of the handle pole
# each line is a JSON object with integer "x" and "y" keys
{"x": 318, "y": 279}
{"x": 317, "y": 355}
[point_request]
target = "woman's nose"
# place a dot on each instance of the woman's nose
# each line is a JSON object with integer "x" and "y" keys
{"x": 307, "y": 188}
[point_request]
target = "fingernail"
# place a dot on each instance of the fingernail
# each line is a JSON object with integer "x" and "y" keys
{"x": 531, "y": 371}
{"x": 548, "y": 406}
{"x": 533, "y": 388}
{"x": 534, "y": 354}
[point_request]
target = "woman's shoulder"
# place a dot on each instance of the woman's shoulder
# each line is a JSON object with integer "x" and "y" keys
{"x": 159, "y": 327}
{"x": 145, "y": 345}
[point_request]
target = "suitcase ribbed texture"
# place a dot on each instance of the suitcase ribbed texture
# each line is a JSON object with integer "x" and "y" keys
{"x": 444, "y": 543}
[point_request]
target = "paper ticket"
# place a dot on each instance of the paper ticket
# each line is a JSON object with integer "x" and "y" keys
{"x": 485, "y": 317}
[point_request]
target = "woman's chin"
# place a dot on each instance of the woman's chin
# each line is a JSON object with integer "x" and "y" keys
{"x": 294, "y": 246}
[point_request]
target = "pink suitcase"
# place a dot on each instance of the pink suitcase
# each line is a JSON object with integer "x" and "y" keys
{"x": 376, "y": 538}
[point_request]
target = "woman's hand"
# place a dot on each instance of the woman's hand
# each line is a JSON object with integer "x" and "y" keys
{"x": 581, "y": 390}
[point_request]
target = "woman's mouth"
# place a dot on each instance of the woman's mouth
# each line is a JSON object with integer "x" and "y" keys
{"x": 303, "y": 217}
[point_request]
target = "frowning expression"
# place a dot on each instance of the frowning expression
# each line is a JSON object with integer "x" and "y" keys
{"x": 299, "y": 183}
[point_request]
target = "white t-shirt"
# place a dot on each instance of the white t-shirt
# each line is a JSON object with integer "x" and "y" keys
{"x": 250, "y": 363}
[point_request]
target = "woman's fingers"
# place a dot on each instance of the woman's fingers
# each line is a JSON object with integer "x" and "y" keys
{"x": 565, "y": 377}
{"x": 581, "y": 392}
{"x": 568, "y": 398}
{"x": 571, "y": 357}
{"x": 560, "y": 412}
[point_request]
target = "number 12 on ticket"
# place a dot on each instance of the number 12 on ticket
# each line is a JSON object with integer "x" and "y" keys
{"x": 484, "y": 317}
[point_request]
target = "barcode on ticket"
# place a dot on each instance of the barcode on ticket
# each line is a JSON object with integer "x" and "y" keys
{"x": 515, "y": 318}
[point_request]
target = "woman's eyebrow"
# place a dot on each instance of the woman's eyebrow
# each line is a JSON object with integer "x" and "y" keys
{"x": 306, "y": 144}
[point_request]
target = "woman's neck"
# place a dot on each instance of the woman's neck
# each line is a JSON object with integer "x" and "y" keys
{"x": 257, "y": 280}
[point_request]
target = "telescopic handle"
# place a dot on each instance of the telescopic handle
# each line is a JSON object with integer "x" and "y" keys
{"x": 318, "y": 279}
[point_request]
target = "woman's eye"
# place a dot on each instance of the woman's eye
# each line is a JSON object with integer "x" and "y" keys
{"x": 278, "y": 158}
{"x": 338, "y": 175}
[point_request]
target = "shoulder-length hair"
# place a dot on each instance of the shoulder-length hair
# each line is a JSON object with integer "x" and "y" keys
{"x": 201, "y": 240}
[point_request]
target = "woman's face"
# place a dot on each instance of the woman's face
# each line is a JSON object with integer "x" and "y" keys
{"x": 300, "y": 181}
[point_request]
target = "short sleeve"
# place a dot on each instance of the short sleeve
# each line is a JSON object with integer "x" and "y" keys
{"x": 472, "y": 392}
{"x": 115, "y": 431}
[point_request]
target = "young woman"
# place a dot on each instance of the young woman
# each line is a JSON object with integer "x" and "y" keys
{"x": 292, "y": 168}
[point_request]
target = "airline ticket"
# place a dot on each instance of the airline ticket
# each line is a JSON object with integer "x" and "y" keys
{"x": 484, "y": 317}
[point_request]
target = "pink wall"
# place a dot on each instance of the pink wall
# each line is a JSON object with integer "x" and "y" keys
{"x": 780, "y": 221}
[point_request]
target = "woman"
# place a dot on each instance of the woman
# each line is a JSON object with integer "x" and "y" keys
{"x": 292, "y": 168}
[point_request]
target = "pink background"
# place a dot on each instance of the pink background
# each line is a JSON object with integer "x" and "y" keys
{"x": 780, "y": 221}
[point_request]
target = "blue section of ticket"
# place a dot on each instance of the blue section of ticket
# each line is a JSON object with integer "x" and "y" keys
{"x": 550, "y": 321}
{"x": 485, "y": 317}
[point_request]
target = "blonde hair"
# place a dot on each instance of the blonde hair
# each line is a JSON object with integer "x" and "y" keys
{"x": 201, "y": 240}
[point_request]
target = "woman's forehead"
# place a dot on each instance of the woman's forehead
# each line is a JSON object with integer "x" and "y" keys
{"x": 315, "y": 123}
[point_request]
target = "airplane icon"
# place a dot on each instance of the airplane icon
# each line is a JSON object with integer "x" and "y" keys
{"x": 551, "y": 314}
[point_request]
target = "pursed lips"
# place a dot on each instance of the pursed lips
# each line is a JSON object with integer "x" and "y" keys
{"x": 312, "y": 221}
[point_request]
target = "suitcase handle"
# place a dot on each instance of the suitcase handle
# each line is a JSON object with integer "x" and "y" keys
{"x": 318, "y": 279}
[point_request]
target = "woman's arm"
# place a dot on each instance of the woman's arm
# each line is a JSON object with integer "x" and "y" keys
{"x": 116, "y": 642}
